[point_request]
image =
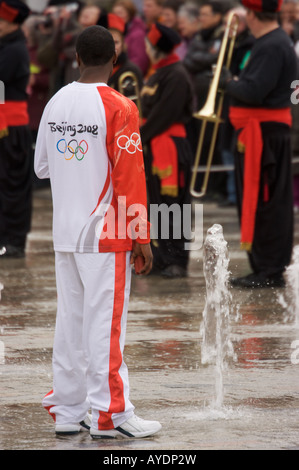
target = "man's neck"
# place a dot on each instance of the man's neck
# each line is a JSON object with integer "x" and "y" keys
{"x": 95, "y": 75}
{"x": 92, "y": 78}
{"x": 266, "y": 28}
{"x": 10, "y": 32}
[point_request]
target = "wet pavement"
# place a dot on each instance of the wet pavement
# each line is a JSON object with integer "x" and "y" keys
{"x": 163, "y": 353}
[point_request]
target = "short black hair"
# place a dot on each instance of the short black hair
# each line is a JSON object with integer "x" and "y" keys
{"x": 95, "y": 46}
{"x": 217, "y": 6}
{"x": 265, "y": 16}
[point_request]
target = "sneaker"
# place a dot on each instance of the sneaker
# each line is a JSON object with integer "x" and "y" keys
{"x": 63, "y": 429}
{"x": 133, "y": 427}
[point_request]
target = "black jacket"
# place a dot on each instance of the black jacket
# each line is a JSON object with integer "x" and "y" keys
{"x": 201, "y": 55}
{"x": 122, "y": 66}
{"x": 266, "y": 80}
{"x": 14, "y": 66}
{"x": 166, "y": 100}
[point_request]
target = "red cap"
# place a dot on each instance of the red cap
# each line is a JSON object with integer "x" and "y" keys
{"x": 13, "y": 11}
{"x": 154, "y": 35}
{"x": 263, "y": 5}
{"x": 115, "y": 22}
{"x": 112, "y": 21}
{"x": 163, "y": 38}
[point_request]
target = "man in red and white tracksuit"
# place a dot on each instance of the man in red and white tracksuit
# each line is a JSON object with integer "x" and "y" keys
{"x": 89, "y": 146}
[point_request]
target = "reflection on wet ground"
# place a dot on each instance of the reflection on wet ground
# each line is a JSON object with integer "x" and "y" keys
{"x": 168, "y": 381}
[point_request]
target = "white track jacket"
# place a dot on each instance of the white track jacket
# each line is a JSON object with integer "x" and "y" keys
{"x": 89, "y": 145}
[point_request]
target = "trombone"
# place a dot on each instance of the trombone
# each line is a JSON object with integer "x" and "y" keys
{"x": 209, "y": 113}
{"x": 127, "y": 80}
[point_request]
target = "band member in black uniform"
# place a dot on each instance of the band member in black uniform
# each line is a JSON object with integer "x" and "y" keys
{"x": 261, "y": 114}
{"x": 167, "y": 107}
{"x": 117, "y": 28}
{"x": 15, "y": 137}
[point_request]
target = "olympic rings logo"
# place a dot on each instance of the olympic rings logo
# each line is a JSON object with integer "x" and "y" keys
{"x": 73, "y": 149}
{"x": 130, "y": 144}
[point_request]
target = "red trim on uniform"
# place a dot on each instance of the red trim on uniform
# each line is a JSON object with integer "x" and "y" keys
{"x": 13, "y": 113}
{"x": 127, "y": 172}
{"x": 172, "y": 58}
{"x": 117, "y": 401}
{"x": 115, "y": 69}
{"x": 165, "y": 159}
{"x": 8, "y": 13}
{"x": 48, "y": 408}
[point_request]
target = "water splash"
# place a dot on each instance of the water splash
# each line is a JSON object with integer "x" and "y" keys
{"x": 290, "y": 299}
{"x": 216, "y": 414}
{"x": 215, "y": 327}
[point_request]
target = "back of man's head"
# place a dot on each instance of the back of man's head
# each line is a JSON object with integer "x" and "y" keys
{"x": 95, "y": 46}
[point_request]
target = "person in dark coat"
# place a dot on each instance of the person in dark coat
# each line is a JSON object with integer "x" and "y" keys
{"x": 201, "y": 56}
{"x": 260, "y": 112}
{"x": 167, "y": 107}
{"x": 204, "y": 48}
{"x": 15, "y": 136}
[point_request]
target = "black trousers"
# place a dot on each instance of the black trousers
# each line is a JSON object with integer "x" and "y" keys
{"x": 274, "y": 225}
{"x": 16, "y": 174}
{"x": 170, "y": 250}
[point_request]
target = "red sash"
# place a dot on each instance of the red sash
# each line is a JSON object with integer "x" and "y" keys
{"x": 250, "y": 137}
{"x": 165, "y": 159}
{"x": 13, "y": 113}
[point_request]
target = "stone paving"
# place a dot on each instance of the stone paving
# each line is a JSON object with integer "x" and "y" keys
{"x": 168, "y": 381}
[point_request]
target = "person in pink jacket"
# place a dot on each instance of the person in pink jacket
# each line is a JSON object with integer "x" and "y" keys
{"x": 135, "y": 33}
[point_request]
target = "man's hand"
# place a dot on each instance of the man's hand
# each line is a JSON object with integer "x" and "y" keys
{"x": 142, "y": 255}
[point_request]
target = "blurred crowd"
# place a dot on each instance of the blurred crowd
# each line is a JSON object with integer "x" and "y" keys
{"x": 51, "y": 36}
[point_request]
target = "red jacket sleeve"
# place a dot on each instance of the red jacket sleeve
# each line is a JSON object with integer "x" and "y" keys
{"x": 126, "y": 157}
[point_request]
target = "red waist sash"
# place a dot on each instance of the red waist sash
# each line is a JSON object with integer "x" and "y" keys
{"x": 13, "y": 113}
{"x": 165, "y": 159}
{"x": 250, "y": 137}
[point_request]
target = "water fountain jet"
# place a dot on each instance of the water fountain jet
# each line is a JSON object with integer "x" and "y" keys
{"x": 215, "y": 327}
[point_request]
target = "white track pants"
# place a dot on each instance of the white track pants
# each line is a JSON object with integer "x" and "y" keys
{"x": 88, "y": 368}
